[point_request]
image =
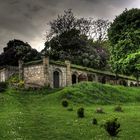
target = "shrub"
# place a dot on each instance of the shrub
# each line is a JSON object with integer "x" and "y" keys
{"x": 21, "y": 84}
{"x": 3, "y": 86}
{"x": 99, "y": 110}
{"x": 70, "y": 109}
{"x": 14, "y": 78}
{"x": 112, "y": 127}
{"x": 94, "y": 121}
{"x": 118, "y": 109}
{"x": 65, "y": 103}
{"x": 80, "y": 112}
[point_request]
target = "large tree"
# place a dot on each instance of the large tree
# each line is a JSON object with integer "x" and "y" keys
{"x": 131, "y": 65}
{"x": 124, "y": 37}
{"x": 70, "y": 38}
{"x": 67, "y": 22}
{"x": 17, "y": 49}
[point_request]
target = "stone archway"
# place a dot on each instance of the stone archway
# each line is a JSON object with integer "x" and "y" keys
{"x": 82, "y": 77}
{"x": 74, "y": 79}
{"x": 57, "y": 78}
{"x": 103, "y": 81}
{"x": 123, "y": 82}
{"x": 91, "y": 77}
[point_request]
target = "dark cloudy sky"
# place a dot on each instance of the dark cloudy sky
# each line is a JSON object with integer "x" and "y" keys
{"x": 27, "y": 19}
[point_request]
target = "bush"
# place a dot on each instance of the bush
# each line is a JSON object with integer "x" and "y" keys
{"x": 80, "y": 112}
{"x": 94, "y": 121}
{"x": 3, "y": 86}
{"x": 70, "y": 109}
{"x": 99, "y": 110}
{"x": 21, "y": 84}
{"x": 65, "y": 103}
{"x": 112, "y": 127}
{"x": 118, "y": 109}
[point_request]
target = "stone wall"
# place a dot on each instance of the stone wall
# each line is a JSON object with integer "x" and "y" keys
{"x": 7, "y": 72}
{"x": 2, "y": 75}
{"x": 34, "y": 75}
{"x": 61, "y": 74}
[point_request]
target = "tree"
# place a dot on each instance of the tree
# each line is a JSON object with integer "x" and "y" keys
{"x": 16, "y": 50}
{"x": 128, "y": 21}
{"x": 98, "y": 29}
{"x": 68, "y": 39}
{"x": 124, "y": 37}
{"x": 67, "y": 22}
{"x": 67, "y": 45}
{"x": 94, "y": 29}
{"x": 131, "y": 65}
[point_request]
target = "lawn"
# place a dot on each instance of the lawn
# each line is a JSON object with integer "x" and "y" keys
{"x": 39, "y": 115}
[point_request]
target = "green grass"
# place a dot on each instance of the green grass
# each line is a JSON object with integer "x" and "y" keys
{"x": 39, "y": 115}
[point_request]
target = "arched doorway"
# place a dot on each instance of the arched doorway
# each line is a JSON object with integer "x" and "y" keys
{"x": 56, "y": 79}
{"x": 82, "y": 77}
{"x": 103, "y": 80}
{"x": 91, "y": 77}
{"x": 74, "y": 79}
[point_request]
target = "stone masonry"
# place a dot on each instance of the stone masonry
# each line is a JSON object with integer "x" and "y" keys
{"x": 56, "y": 74}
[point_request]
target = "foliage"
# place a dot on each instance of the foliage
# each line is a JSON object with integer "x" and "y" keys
{"x": 15, "y": 82}
{"x": 81, "y": 40}
{"x": 112, "y": 127}
{"x": 127, "y": 21}
{"x": 21, "y": 84}
{"x": 78, "y": 49}
{"x": 130, "y": 64}
{"x": 67, "y": 45}
{"x": 124, "y": 36}
{"x": 65, "y": 103}
{"x": 67, "y": 22}
{"x": 13, "y": 79}
{"x": 3, "y": 86}
{"x": 94, "y": 29}
{"x": 16, "y": 50}
{"x": 98, "y": 29}
{"x": 80, "y": 112}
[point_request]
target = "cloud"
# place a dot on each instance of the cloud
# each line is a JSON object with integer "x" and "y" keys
{"x": 27, "y": 19}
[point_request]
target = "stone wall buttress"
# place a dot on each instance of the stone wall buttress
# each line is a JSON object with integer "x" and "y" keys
{"x": 46, "y": 71}
{"x": 68, "y": 73}
{"x": 21, "y": 70}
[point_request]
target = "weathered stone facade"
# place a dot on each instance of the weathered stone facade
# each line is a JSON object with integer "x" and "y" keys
{"x": 7, "y": 72}
{"x": 61, "y": 74}
{"x": 34, "y": 75}
{"x": 55, "y": 74}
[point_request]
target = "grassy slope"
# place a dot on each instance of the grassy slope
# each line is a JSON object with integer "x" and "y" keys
{"x": 38, "y": 115}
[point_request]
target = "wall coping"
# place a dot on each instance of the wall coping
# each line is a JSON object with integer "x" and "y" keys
{"x": 33, "y": 63}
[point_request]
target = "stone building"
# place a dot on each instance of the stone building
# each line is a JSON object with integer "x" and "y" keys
{"x": 7, "y": 71}
{"x": 56, "y": 74}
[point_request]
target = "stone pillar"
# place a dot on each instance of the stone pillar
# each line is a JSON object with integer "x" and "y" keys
{"x": 68, "y": 73}
{"x": 21, "y": 70}
{"x": 46, "y": 70}
{"x": 96, "y": 78}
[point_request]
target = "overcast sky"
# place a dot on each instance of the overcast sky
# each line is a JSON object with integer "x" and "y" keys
{"x": 27, "y": 19}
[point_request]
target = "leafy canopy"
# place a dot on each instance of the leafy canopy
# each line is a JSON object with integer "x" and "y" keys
{"x": 124, "y": 37}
